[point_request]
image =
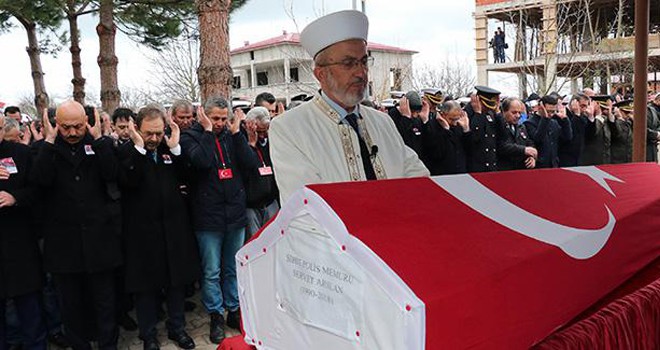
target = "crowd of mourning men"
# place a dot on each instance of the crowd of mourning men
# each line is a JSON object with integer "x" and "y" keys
{"x": 111, "y": 212}
{"x": 490, "y": 134}
{"x": 101, "y": 214}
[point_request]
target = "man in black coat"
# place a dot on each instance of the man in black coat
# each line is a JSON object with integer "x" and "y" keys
{"x": 160, "y": 249}
{"x": 446, "y": 139}
{"x": 488, "y": 135}
{"x": 76, "y": 170}
{"x": 547, "y": 128}
{"x": 571, "y": 152}
{"x": 218, "y": 154}
{"x": 409, "y": 117}
{"x": 20, "y": 265}
{"x": 524, "y": 156}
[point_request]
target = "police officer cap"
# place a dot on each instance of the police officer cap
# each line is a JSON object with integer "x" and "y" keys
{"x": 433, "y": 95}
{"x": 625, "y": 105}
{"x": 414, "y": 100}
{"x": 486, "y": 91}
{"x": 334, "y": 28}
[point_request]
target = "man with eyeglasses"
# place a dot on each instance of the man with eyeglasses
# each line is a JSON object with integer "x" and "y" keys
{"x": 332, "y": 138}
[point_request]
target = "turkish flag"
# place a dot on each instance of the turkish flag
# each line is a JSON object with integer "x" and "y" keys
{"x": 501, "y": 260}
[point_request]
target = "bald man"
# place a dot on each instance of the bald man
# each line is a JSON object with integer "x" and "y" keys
{"x": 76, "y": 170}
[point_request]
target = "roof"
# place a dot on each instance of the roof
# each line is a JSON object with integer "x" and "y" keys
{"x": 294, "y": 39}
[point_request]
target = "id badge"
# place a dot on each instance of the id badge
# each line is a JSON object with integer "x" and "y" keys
{"x": 88, "y": 150}
{"x": 265, "y": 171}
{"x": 225, "y": 174}
{"x": 490, "y": 119}
{"x": 10, "y": 165}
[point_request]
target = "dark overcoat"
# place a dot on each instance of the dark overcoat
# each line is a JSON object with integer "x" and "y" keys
{"x": 81, "y": 209}
{"x": 20, "y": 265}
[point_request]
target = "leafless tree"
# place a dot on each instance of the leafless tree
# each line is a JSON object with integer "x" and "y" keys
{"x": 175, "y": 70}
{"x": 453, "y": 76}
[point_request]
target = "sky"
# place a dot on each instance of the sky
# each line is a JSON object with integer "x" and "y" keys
{"x": 436, "y": 29}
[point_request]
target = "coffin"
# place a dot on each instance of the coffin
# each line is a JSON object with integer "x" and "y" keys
{"x": 478, "y": 261}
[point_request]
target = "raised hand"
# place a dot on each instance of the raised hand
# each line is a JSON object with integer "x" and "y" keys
{"x": 234, "y": 124}
{"x": 575, "y": 107}
{"x": 280, "y": 108}
{"x": 26, "y": 136}
{"x": 134, "y": 135}
{"x": 203, "y": 119}
{"x": 442, "y": 121}
{"x": 36, "y": 135}
{"x": 476, "y": 103}
{"x": 173, "y": 140}
{"x": 464, "y": 122}
{"x": 426, "y": 110}
{"x": 251, "y": 128}
{"x": 404, "y": 107}
{"x": 238, "y": 113}
{"x": 96, "y": 131}
{"x": 50, "y": 132}
{"x": 561, "y": 112}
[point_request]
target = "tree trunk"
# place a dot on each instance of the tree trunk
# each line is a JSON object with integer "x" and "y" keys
{"x": 40, "y": 95}
{"x": 214, "y": 72}
{"x": 110, "y": 94}
{"x": 78, "y": 81}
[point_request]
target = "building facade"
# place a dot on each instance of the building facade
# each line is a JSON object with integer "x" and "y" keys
{"x": 552, "y": 43}
{"x": 282, "y": 67}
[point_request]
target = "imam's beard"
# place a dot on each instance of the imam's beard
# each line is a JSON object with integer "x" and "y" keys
{"x": 346, "y": 97}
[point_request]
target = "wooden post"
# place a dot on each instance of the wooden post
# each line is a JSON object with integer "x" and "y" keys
{"x": 642, "y": 13}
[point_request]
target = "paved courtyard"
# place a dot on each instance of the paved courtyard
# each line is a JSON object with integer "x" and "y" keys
{"x": 197, "y": 326}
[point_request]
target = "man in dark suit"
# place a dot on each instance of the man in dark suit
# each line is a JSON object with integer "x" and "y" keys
{"x": 161, "y": 252}
{"x": 547, "y": 128}
{"x": 76, "y": 170}
{"x": 20, "y": 265}
{"x": 524, "y": 155}
{"x": 579, "y": 110}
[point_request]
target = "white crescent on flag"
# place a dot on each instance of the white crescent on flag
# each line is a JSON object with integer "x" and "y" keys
{"x": 577, "y": 243}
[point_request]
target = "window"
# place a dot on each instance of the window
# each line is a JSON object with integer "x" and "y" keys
{"x": 236, "y": 82}
{"x": 262, "y": 78}
{"x": 293, "y": 74}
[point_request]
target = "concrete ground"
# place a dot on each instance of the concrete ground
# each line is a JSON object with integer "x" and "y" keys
{"x": 197, "y": 326}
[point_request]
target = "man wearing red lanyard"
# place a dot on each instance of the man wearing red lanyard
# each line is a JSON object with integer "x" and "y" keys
{"x": 261, "y": 189}
{"x": 218, "y": 154}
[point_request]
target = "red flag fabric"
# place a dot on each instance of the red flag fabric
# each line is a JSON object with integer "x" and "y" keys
{"x": 489, "y": 282}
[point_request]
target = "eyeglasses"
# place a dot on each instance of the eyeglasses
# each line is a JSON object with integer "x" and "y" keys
{"x": 351, "y": 63}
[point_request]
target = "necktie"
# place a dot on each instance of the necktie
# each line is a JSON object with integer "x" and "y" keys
{"x": 152, "y": 156}
{"x": 364, "y": 150}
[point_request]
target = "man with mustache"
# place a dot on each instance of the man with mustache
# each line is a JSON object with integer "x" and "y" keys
{"x": 332, "y": 138}
{"x": 76, "y": 173}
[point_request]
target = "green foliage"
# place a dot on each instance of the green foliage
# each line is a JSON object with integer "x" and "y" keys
{"x": 44, "y": 13}
{"x": 155, "y": 22}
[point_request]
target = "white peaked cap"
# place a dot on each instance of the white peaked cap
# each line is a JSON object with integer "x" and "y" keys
{"x": 333, "y": 28}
